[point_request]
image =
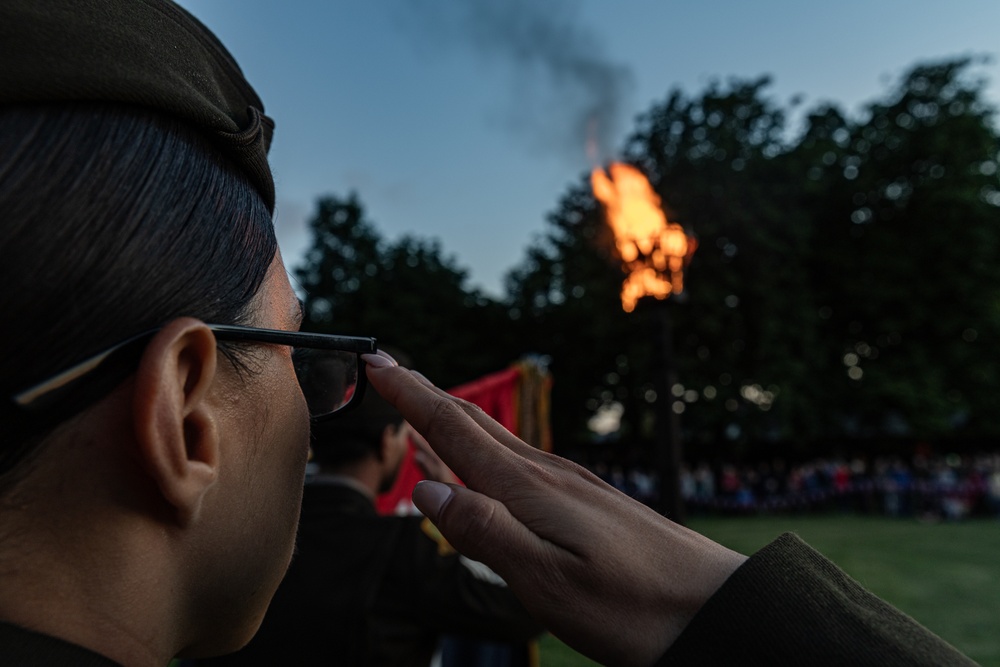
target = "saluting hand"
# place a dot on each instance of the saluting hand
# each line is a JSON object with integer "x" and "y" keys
{"x": 604, "y": 573}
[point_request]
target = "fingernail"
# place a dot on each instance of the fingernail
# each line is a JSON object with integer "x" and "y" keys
{"x": 379, "y": 360}
{"x": 383, "y": 353}
{"x": 430, "y": 497}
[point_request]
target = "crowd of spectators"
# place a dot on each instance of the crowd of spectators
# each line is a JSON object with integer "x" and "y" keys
{"x": 949, "y": 487}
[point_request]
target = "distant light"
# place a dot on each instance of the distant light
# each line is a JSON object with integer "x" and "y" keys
{"x": 861, "y": 215}
{"x": 756, "y": 394}
{"x": 607, "y": 419}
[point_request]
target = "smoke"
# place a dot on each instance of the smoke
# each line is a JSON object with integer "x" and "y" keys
{"x": 567, "y": 97}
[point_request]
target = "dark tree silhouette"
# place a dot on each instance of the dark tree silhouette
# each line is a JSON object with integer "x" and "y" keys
{"x": 406, "y": 293}
{"x": 847, "y": 283}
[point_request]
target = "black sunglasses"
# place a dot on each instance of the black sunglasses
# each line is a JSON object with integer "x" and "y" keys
{"x": 329, "y": 368}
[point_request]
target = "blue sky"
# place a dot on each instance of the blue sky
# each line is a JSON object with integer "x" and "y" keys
{"x": 459, "y": 119}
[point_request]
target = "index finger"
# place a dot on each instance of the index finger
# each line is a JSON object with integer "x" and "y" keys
{"x": 474, "y": 454}
{"x": 478, "y": 415}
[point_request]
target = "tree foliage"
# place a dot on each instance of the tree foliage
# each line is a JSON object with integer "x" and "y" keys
{"x": 847, "y": 283}
{"x": 406, "y": 292}
{"x": 906, "y": 210}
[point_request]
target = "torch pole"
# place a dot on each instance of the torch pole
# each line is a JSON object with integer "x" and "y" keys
{"x": 668, "y": 428}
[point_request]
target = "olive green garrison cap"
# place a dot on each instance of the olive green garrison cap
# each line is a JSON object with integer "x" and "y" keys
{"x": 150, "y": 53}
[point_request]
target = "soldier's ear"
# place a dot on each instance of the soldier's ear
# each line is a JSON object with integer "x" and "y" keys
{"x": 175, "y": 426}
{"x": 385, "y": 442}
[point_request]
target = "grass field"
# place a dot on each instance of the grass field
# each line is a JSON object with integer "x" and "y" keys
{"x": 945, "y": 575}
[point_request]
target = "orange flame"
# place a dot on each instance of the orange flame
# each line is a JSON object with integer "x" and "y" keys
{"x": 654, "y": 251}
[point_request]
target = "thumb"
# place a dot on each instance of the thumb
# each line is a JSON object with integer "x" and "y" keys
{"x": 477, "y": 526}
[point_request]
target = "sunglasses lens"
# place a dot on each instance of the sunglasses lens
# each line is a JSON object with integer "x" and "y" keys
{"x": 329, "y": 378}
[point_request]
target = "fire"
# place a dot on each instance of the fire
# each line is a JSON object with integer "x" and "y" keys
{"x": 654, "y": 251}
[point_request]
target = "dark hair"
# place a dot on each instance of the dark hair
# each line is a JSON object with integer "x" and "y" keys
{"x": 115, "y": 220}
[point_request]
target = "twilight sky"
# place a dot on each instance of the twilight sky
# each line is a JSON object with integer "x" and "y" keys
{"x": 465, "y": 120}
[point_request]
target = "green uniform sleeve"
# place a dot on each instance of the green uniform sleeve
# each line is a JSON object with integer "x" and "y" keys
{"x": 788, "y": 605}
